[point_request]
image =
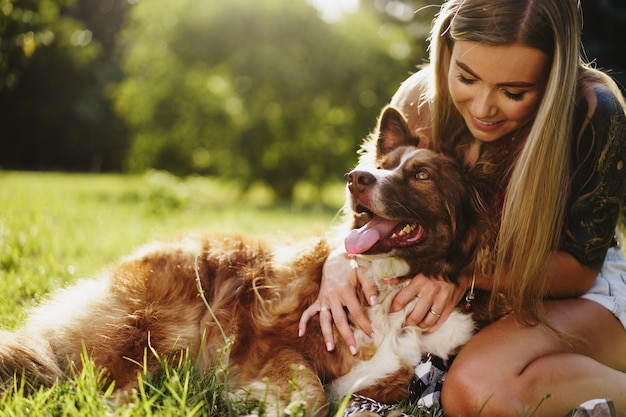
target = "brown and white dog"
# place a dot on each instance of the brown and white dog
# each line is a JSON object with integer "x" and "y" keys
{"x": 415, "y": 211}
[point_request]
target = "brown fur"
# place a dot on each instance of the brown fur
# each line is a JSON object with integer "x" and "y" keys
{"x": 257, "y": 291}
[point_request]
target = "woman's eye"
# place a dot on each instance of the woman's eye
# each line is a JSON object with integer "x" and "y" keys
{"x": 514, "y": 96}
{"x": 465, "y": 80}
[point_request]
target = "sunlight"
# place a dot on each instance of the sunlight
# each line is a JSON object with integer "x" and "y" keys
{"x": 331, "y": 10}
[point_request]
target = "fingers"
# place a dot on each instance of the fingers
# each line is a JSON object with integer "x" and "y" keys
{"x": 306, "y": 316}
{"x": 368, "y": 286}
{"x": 338, "y": 290}
{"x": 326, "y": 324}
{"x": 329, "y": 315}
{"x": 435, "y": 300}
{"x": 338, "y": 315}
{"x": 326, "y": 319}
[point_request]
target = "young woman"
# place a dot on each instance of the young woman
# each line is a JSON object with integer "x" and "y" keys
{"x": 506, "y": 81}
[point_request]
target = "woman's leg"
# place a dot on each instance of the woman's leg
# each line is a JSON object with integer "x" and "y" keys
{"x": 508, "y": 368}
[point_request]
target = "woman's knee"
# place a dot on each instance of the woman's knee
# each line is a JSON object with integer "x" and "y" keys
{"x": 458, "y": 391}
{"x": 470, "y": 390}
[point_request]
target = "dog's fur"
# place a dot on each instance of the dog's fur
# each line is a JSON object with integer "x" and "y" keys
{"x": 257, "y": 291}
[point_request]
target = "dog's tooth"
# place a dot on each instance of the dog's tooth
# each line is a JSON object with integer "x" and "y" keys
{"x": 406, "y": 229}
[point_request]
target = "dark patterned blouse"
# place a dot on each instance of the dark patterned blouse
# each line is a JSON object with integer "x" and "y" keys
{"x": 597, "y": 181}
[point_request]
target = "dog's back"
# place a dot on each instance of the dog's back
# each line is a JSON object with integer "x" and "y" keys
{"x": 254, "y": 292}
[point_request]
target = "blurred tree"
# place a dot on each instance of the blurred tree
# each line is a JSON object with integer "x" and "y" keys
{"x": 53, "y": 70}
{"x": 258, "y": 91}
{"x": 412, "y": 17}
{"x": 24, "y": 27}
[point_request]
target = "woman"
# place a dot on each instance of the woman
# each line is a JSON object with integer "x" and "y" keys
{"x": 506, "y": 82}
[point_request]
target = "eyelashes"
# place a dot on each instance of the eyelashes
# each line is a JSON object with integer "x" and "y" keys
{"x": 514, "y": 96}
{"x": 508, "y": 94}
{"x": 465, "y": 80}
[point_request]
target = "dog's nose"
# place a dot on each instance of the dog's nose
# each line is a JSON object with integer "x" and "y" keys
{"x": 359, "y": 180}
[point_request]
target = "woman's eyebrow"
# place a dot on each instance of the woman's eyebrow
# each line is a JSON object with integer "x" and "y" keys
{"x": 516, "y": 84}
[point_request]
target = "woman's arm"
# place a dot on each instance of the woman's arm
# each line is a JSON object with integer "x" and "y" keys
{"x": 598, "y": 176}
{"x": 567, "y": 277}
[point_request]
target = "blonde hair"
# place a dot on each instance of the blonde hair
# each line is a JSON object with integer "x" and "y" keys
{"x": 533, "y": 211}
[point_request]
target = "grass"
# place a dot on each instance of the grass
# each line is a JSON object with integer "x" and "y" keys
{"x": 56, "y": 228}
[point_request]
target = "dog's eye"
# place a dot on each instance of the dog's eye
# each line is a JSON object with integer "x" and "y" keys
{"x": 422, "y": 175}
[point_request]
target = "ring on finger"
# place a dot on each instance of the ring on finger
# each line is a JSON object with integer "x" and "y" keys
{"x": 323, "y": 308}
{"x": 434, "y": 313}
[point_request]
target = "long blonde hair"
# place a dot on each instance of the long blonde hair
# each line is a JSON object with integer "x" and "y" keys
{"x": 533, "y": 211}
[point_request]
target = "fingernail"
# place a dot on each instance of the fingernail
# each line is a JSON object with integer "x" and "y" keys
{"x": 299, "y": 332}
{"x": 352, "y": 350}
{"x": 373, "y": 300}
{"x": 329, "y": 346}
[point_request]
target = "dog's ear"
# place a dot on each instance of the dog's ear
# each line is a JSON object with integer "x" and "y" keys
{"x": 476, "y": 230}
{"x": 393, "y": 132}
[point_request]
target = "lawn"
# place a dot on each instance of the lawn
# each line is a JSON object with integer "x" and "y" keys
{"x": 56, "y": 228}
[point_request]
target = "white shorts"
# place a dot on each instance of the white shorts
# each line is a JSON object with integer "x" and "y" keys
{"x": 609, "y": 290}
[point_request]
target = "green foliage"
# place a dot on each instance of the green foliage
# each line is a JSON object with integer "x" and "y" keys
{"x": 30, "y": 29}
{"x": 52, "y": 72}
{"x": 264, "y": 93}
{"x": 257, "y": 91}
{"x": 25, "y": 26}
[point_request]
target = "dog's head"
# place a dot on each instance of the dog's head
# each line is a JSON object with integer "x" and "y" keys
{"x": 414, "y": 203}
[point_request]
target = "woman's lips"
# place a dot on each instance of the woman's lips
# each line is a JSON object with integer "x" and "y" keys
{"x": 485, "y": 126}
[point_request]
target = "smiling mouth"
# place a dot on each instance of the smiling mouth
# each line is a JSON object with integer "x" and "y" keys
{"x": 381, "y": 235}
{"x": 484, "y": 124}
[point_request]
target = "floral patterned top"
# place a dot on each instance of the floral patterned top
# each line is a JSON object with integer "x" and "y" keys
{"x": 597, "y": 181}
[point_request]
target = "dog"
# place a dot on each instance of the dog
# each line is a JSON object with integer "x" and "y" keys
{"x": 237, "y": 300}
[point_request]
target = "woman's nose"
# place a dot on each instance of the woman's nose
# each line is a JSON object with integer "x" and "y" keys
{"x": 483, "y": 105}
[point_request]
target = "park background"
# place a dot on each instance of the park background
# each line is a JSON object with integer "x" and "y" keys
{"x": 270, "y": 94}
{"x": 124, "y": 121}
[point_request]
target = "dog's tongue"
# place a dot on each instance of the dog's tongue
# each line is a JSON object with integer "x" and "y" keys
{"x": 361, "y": 240}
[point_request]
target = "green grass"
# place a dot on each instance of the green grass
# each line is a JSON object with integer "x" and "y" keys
{"x": 56, "y": 228}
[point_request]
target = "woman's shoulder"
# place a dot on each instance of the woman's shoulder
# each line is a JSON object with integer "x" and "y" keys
{"x": 411, "y": 99}
{"x": 413, "y": 88}
{"x": 599, "y": 120}
{"x": 600, "y": 101}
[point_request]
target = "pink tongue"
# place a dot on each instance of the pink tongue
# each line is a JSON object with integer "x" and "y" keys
{"x": 361, "y": 240}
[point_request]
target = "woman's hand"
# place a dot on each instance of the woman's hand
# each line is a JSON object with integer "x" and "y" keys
{"x": 437, "y": 298}
{"x": 340, "y": 280}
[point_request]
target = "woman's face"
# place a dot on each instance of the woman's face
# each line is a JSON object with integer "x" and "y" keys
{"x": 497, "y": 89}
